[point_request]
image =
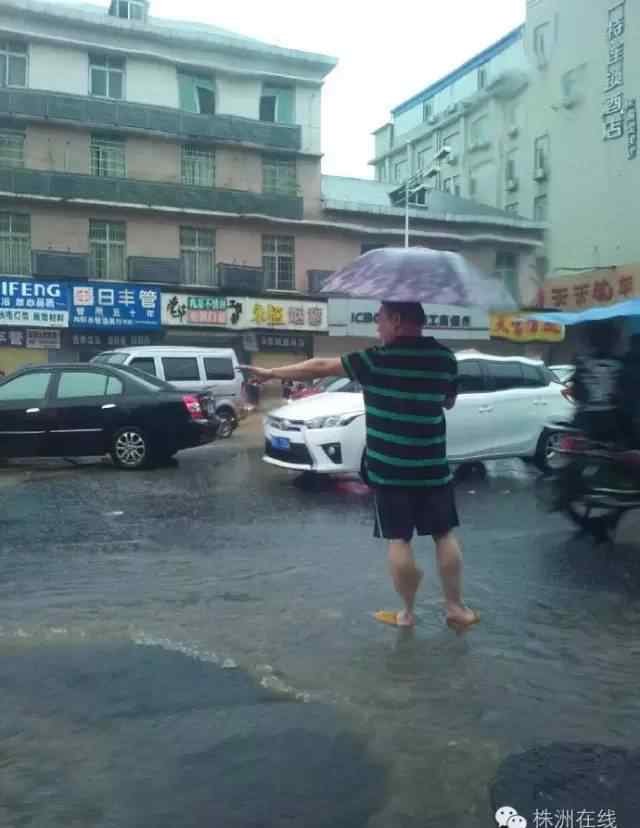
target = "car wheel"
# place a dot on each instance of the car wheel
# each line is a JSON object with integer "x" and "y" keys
{"x": 546, "y": 457}
{"x": 130, "y": 449}
{"x": 228, "y": 422}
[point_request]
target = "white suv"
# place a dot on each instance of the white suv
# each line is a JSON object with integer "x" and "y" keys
{"x": 503, "y": 409}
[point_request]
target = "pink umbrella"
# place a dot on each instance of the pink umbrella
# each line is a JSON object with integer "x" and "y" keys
{"x": 419, "y": 274}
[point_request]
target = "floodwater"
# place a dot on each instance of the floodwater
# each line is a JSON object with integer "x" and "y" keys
{"x": 123, "y": 597}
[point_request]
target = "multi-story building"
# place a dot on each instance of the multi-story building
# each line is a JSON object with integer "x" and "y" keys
{"x": 477, "y": 111}
{"x": 183, "y": 160}
{"x": 543, "y": 124}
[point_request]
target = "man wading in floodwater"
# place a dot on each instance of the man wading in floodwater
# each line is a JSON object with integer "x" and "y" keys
{"x": 407, "y": 382}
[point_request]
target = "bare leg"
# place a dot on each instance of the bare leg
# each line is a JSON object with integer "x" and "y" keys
{"x": 406, "y": 578}
{"x": 449, "y": 556}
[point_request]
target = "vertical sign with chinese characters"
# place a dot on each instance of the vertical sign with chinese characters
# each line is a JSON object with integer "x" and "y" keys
{"x": 115, "y": 306}
{"x": 613, "y": 113}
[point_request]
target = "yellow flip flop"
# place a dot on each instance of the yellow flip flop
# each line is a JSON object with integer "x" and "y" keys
{"x": 391, "y": 618}
{"x": 463, "y": 626}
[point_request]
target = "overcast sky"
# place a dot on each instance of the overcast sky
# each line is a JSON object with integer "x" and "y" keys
{"x": 385, "y": 54}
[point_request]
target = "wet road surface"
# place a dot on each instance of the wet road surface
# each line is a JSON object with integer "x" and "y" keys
{"x": 221, "y": 560}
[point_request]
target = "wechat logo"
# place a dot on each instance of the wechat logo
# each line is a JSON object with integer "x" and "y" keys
{"x": 508, "y": 817}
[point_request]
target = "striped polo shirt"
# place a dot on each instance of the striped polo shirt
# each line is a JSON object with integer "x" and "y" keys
{"x": 405, "y": 385}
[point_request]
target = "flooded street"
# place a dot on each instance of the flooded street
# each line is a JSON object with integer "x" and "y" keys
{"x": 124, "y": 595}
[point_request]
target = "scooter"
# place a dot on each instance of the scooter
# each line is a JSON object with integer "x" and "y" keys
{"x": 596, "y": 485}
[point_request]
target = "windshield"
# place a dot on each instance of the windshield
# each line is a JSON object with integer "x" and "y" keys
{"x": 111, "y": 358}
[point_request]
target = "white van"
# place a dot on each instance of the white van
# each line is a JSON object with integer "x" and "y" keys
{"x": 213, "y": 369}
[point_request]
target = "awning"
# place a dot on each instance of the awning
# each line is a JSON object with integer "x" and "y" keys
{"x": 617, "y": 311}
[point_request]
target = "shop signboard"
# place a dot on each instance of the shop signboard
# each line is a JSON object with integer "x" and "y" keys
{"x": 592, "y": 289}
{"x": 32, "y": 303}
{"x": 181, "y": 309}
{"x": 277, "y": 314}
{"x": 115, "y": 306}
{"x": 358, "y": 317}
{"x": 517, "y": 328}
{"x": 37, "y": 338}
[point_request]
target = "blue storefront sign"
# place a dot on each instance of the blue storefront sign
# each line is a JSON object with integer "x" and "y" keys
{"x": 115, "y": 306}
{"x": 33, "y": 304}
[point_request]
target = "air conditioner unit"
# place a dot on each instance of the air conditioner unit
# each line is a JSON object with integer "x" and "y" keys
{"x": 452, "y": 109}
{"x": 453, "y": 159}
{"x": 540, "y": 173}
{"x": 569, "y": 101}
{"x": 432, "y": 119}
{"x": 512, "y": 184}
{"x": 513, "y": 132}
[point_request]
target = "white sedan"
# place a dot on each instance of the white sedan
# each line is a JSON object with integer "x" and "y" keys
{"x": 504, "y": 408}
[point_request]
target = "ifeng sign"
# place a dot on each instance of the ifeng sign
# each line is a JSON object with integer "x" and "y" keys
{"x": 30, "y": 303}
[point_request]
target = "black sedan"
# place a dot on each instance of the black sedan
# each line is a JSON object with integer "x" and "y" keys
{"x": 83, "y": 410}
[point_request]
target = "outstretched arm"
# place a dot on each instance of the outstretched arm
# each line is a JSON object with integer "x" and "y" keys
{"x": 308, "y": 370}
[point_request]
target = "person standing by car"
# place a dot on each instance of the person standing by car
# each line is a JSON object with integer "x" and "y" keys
{"x": 407, "y": 382}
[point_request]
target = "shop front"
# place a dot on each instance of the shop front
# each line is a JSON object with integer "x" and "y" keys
{"x": 33, "y": 315}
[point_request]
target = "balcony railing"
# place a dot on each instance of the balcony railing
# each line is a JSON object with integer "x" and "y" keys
{"x": 120, "y": 115}
{"x": 25, "y": 182}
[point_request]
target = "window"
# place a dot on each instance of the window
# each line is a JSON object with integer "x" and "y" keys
{"x": 505, "y": 375}
{"x": 198, "y": 254}
{"x": 513, "y": 208}
{"x": 447, "y": 185}
{"x": 198, "y": 166}
{"x": 532, "y": 377}
{"x": 107, "y": 249}
{"x": 15, "y": 243}
{"x": 507, "y": 270}
{"x": 542, "y": 43}
{"x": 540, "y": 209}
{"x": 427, "y": 110}
{"x": 128, "y": 9}
{"x": 181, "y": 369}
{"x": 278, "y": 262}
{"x": 457, "y": 185}
{"x": 11, "y": 148}
{"x": 541, "y": 156}
{"x": 13, "y": 63}
{"x": 87, "y": 384}
{"x": 480, "y": 130}
{"x": 108, "y": 156}
{"x": 482, "y": 77}
{"x": 146, "y": 364}
{"x": 197, "y": 94}
{"x": 401, "y": 171}
{"x": 27, "y": 387}
{"x": 106, "y": 77}
{"x": 470, "y": 377}
{"x": 277, "y": 104}
{"x": 219, "y": 368}
{"x": 279, "y": 176}
{"x": 424, "y": 157}
{"x": 511, "y": 170}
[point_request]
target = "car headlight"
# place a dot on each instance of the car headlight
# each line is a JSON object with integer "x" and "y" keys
{"x": 332, "y": 421}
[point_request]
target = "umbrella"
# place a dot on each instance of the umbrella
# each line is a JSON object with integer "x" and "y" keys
{"x": 617, "y": 311}
{"x": 419, "y": 274}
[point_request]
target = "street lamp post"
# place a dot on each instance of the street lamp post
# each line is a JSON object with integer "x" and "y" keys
{"x": 413, "y": 183}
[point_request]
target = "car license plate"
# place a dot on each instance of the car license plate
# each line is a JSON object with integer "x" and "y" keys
{"x": 281, "y": 443}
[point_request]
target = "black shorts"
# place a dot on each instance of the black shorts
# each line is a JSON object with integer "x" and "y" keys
{"x": 400, "y": 512}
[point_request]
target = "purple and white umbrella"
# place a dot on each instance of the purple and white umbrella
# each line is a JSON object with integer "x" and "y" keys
{"x": 419, "y": 274}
